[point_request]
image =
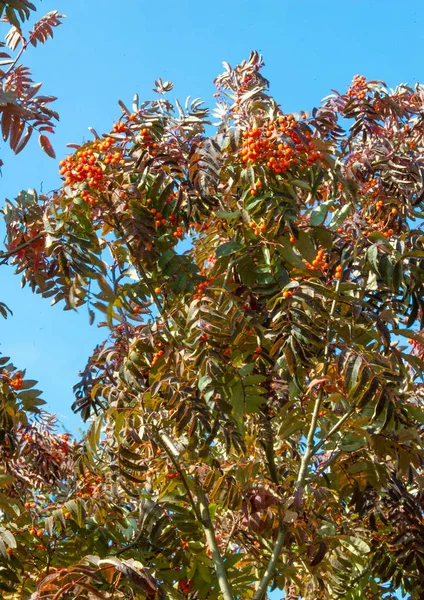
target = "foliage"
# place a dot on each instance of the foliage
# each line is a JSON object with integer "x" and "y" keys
{"x": 22, "y": 110}
{"x": 255, "y": 414}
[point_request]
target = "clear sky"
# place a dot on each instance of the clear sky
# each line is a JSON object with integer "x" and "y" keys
{"x": 107, "y": 51}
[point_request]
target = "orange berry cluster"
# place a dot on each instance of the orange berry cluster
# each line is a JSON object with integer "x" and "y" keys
{"x": 287, "y": 294}
{"x": 156, "y": 356}
{"x": 339, "y": 271}
{"x": 85, "y": 165}
{"x": 319, "y": 261}
{"x": 253, "y": 189}
{"x": 119, "y": 127}
{"x": 200, "y": 289}
{"x": 358, "y": 89}
{"x": 179, "y": 232}
{"x": 417, "y": 347}
{"x": 16, "y": 383}
{"x": 266, "y": 145}
{"x": 161, "y": 221}
{"x": 388, "y": 233}
{"x": 258, "y": 352}
{"x": 90, "y": 487}
{"x": 34, "y": 532}
{"x": 159, "y": 218}
{"x": 371, "y": 185}
{"x": 257, "y": 229}
{"x": 149, "y": 141}
{"x": 379, "y": 205}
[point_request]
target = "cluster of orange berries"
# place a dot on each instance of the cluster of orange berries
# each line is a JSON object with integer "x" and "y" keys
{"x": 258, "y": 352}
{"x": 417, "y": 347}
{"x": 145, "y": 135}
{"x": 371, "y": 185}
{"x": 17, "y": 382}
{"x": 287, "y": 294}
{"x": 338, "y": 272}
{"x": 358, "y": 89}
{"x": 200, "y": 289}
{"x": 156, "y": 356}
{"x": 257, "y": 228}
{"x": 149, "y": 141}
{"x": 266, "y": 146}
{"x": 388, "y": 233}
{"x": 160, "y": 220}
{"x": 84, "y": 165}
{"x": 179, "y": 232}
{"x": 382, "y": 225}
{"x": 319, "y": 261}
{"x": 254, "y": 189}
{"x": 34, "y": 532}
{"x": 90, "y": 486}
{"x": 172, "y": 475}
{"x": 119, "y": 127}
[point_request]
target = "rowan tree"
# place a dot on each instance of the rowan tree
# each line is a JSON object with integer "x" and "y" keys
{"x": 255, "y": 415}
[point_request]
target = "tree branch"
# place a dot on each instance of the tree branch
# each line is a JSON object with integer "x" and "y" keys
{"x": 6, "y": 255}
{"x": 333, "y": 430}
{"x": 269, "y": 572}
{"x": 221, "y": 573}
{"x": 310, "y": 446}
{"x": 173, "y": 454}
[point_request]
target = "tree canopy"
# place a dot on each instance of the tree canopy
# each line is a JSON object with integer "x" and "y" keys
{"x": 255, "y": 414}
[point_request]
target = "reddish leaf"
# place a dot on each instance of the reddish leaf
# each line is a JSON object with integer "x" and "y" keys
{"x": 46, "y": 146}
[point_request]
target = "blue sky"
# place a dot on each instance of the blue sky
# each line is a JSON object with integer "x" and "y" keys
{"x": 107, "y": 51}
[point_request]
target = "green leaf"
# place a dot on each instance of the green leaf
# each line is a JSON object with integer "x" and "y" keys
{"x": 354, "y": 544}
{"x": 339, "y": 216}
{"x": 319, "y": 214}
{"x": 228, "y": 216}
{"x": 166, "y": 257}
{"x": 228, "y": 248}
{"x": 372, "y": 254}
